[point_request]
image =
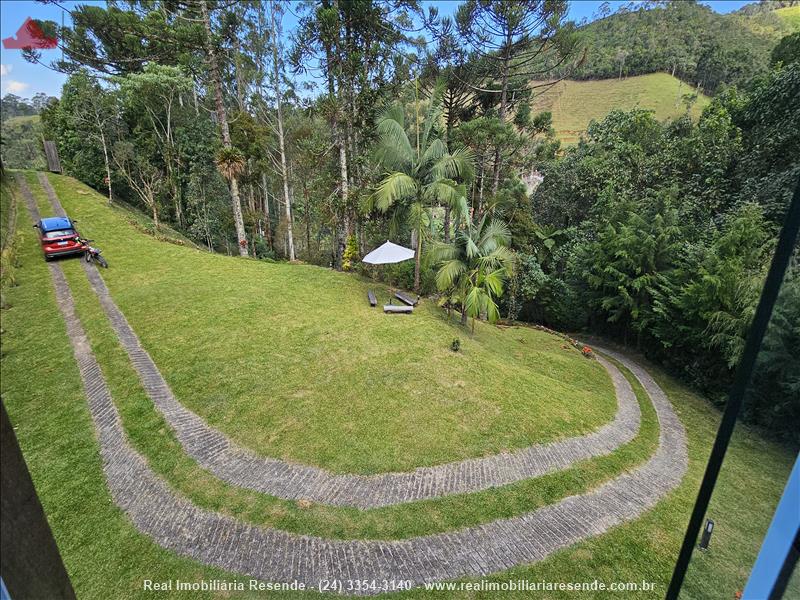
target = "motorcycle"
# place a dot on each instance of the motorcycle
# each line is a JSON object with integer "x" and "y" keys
{"x": 93, "y": 254}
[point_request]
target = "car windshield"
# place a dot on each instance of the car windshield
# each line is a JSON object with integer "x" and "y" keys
{"x": 57, "y": 233}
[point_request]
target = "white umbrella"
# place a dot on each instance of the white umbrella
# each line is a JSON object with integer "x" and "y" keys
{"x": 388, "y": 253}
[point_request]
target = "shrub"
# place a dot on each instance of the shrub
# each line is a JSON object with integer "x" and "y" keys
{"x": 350, "y": 255}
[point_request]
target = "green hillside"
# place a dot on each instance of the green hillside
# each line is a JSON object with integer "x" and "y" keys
{"x": 311, "y": 334}
{"x": 22, "y": 143}
{"x": 224, "y": 331}
{"x": 575, "y": 103}
{"x": 790, "y": 15}
{"x": 688, "y": 39}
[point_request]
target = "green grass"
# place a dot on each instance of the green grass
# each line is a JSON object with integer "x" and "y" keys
{"x": 41, "y": 389}
{"x": 8, "y": 217}
{"x": 104, "y": 555}
{"x": 575, "y": 103}
{"x": 7, "y": 213}
{"x": 153, "y": 437}
{"x": 790, "y": 15}
{"x": 292, "y": 362}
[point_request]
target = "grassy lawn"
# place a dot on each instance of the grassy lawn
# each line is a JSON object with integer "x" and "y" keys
{"x": 575, "y": 103}
{"x": 292, "y": 362}
{"x": 153, "y": 437}
{"x": 41, "y": 389}
{"x": 104, "y": 555}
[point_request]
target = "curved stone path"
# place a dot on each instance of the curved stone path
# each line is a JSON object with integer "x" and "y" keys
{"x": 240, "y": 467}
{"x": 277, "y": 556}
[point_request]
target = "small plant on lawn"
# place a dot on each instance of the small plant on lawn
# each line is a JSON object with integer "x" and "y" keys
{"x": 455, "y": 345}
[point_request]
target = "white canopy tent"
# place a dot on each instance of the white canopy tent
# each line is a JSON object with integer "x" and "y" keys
{"x": 388, "y": 253}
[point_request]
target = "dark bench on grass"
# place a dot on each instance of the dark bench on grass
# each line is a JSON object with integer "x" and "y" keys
{"x": 373, "y": 301}
{"x": 406, "y": 298}
{"x": 397, "y": 308}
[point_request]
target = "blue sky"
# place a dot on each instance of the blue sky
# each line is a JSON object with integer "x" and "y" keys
{"x": 24, "y": 79}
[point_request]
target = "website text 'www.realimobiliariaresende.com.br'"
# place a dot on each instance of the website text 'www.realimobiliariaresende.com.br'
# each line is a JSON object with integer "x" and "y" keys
{"x": 526, "y": 585}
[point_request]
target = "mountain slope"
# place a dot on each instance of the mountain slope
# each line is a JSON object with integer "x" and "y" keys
{"x": 575, "y": 103}
{"x": 686, "y": 39}
{"x": 790, "y": 15}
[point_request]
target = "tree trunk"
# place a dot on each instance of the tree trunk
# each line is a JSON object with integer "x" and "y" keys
{"x": 479, "y": 208}
{"x": 155, "y": 212}
{"x": 417, "y": 260}
{"x": 222, "y": 117}
{"x": 344, "y": 189}
{"x": 446, "y": 140}
{"x": 108, "y": 166}
{"x": 266, "y": 210}
{"x": 344, "y": 226}
{"x": 447, "y": 224}
{"x": 194, "y": 95}
{"x": 281, "y": 144}
{"x": 307, "y": 219}
{"x": 495, "y": 171}
{"x": 209, "y": 240}
{"x": 241, "y": 237}
{"x": 175, "y": 191}
{"x": 503, "y": 110}
{"x": 238, "y": 72}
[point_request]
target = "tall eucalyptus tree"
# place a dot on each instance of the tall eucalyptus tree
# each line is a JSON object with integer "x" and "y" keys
{"x": 222, "y": 118}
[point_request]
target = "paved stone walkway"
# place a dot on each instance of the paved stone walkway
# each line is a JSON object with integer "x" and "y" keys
{"x": 241, "y": 468}
{"x": 277, "y": 556}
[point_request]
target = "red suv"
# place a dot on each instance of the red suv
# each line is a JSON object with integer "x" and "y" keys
{"x": 59, "y": 237}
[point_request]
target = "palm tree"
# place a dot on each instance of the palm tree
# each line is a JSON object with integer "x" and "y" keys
{"x": 418, "y": 176}
{"x": 474, "y": 266}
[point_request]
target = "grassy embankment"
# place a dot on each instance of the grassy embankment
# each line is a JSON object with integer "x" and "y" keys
{"x": 42, "y": 391}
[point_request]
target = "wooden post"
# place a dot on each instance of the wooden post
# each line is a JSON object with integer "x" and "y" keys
{"x": 53, "y": 163}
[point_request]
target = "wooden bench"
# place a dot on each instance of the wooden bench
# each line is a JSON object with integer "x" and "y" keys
{"x": 373, "y": 301}
{"x": 406, "y": 298}
{"x": 397, "y": 308}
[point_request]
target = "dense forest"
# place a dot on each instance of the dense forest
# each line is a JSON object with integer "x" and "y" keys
{"x": 13, "y": 106}
{"x": 689, "y": 40}
{"x": 375, "y": 120}
{"x": 22, "y": 132}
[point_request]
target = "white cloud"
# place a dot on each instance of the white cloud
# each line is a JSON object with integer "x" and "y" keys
{"x": 5, "y": 69}
{"x": 15, "y": 87}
